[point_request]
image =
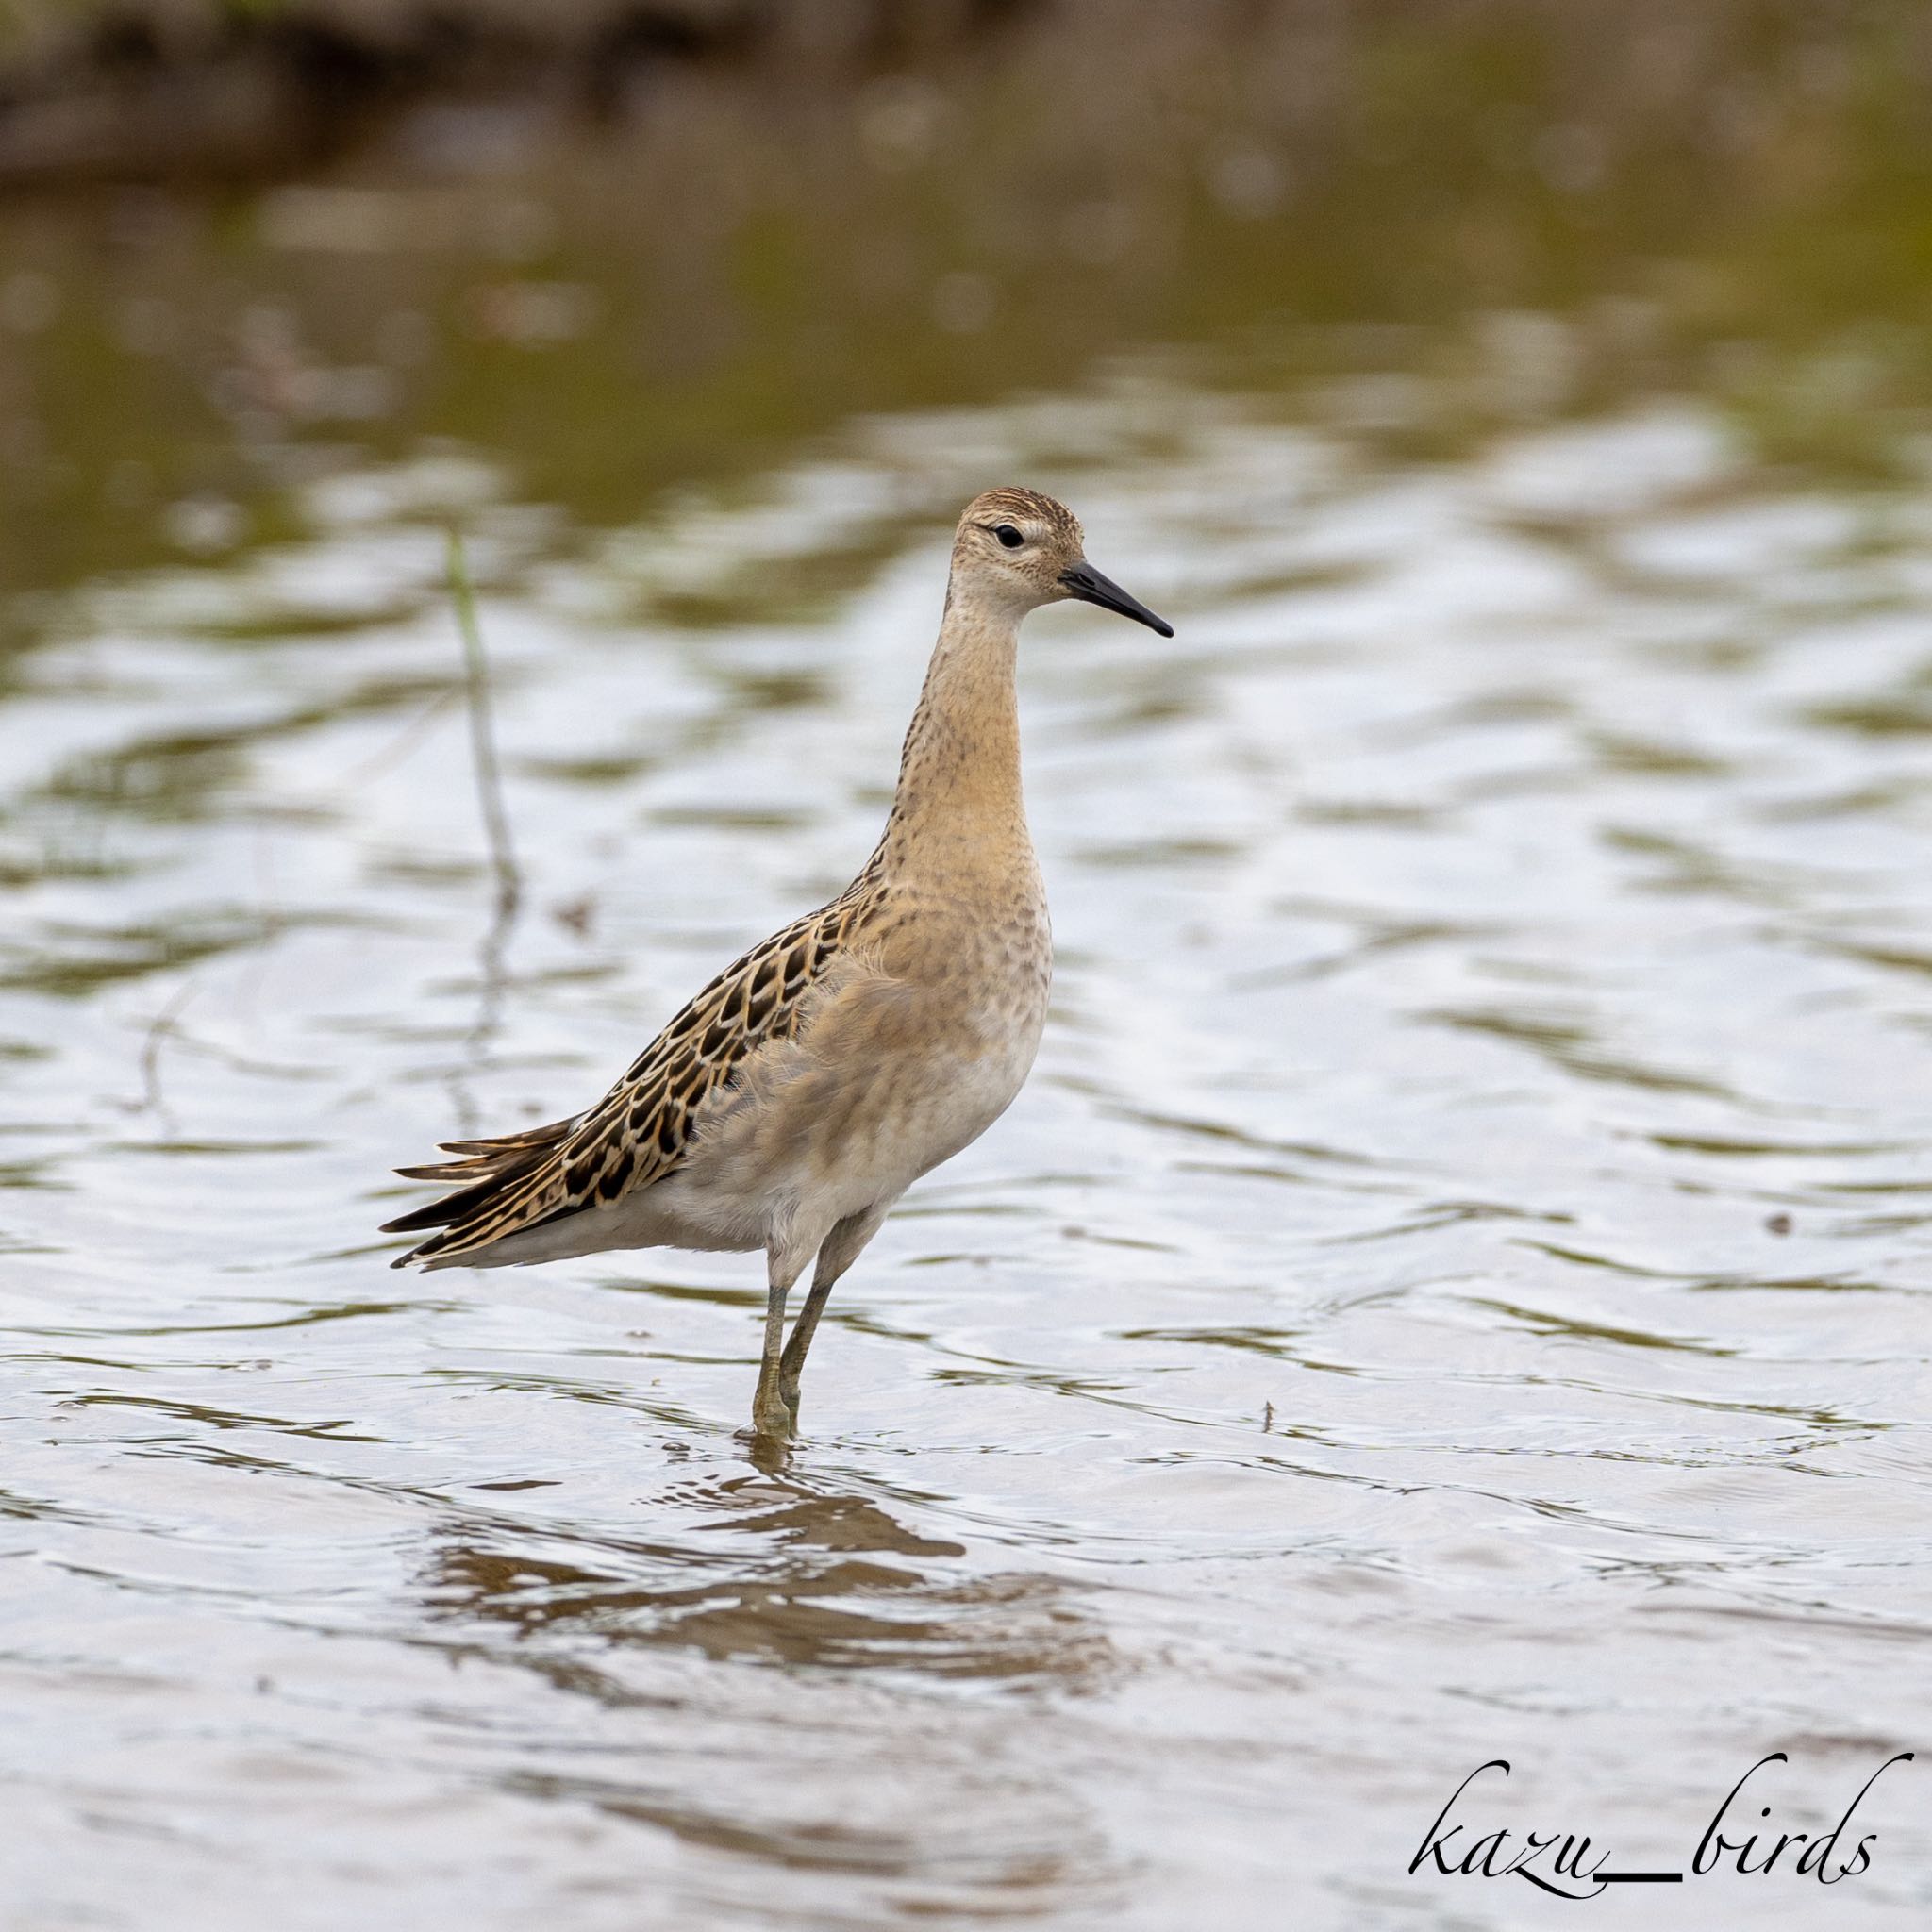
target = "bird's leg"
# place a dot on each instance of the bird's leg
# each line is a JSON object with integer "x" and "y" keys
{"x": 840, "y": 1251}
{"x": 769, "y": 1415}
{"x": 792, "y": 1362}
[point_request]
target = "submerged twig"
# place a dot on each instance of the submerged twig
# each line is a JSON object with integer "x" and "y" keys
{"x": 503, "y": 859}
{"x": 162, "y": 1027}
{"x": 494, "y": 950}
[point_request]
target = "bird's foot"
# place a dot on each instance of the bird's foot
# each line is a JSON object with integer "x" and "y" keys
{"x": 772, "y": 1416}
{"x": 788, "y": 1395}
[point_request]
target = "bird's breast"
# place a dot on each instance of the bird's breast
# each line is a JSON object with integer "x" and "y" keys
{"x": 957, "y": 1041}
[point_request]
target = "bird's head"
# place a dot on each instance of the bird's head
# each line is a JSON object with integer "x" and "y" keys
{"x": 1019, "y": 549}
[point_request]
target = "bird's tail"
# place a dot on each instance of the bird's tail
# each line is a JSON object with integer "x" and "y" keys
{"x": 484, "y": 1176}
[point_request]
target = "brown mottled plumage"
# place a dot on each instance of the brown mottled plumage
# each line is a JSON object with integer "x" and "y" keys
{"x": 640, "y": 1129}
{"x": 798, "y": 1096}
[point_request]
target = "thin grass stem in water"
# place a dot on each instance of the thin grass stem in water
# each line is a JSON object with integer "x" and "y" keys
{"x": 503, "y": 859}
{"x": 493, "y": 954}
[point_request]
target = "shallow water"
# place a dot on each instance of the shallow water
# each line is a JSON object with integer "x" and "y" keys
{"x": 1454, "y": 1288}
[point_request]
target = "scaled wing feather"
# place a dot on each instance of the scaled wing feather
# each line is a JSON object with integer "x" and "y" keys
{"x": 642, "y": 1129}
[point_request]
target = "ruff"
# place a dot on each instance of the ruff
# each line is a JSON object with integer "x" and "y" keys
{"x": 793, "y": 1101}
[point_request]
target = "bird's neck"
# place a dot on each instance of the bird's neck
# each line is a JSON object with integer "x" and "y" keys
{"x": 958, "y": 808}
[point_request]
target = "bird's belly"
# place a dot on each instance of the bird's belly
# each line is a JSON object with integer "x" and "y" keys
{"x": 905, "y": 1115}
{"x": 925, "y": 1114}
{"x": 839, "y": 1139}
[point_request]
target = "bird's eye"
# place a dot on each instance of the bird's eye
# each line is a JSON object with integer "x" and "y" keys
{"x": 1008, "y": 536}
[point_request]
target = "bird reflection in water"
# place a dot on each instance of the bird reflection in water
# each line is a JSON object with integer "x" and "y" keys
{"x": 794, "y": 1587}
{"x": 775, "y": 1571}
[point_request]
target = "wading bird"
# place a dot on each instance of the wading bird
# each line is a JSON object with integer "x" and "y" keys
{"x": 815, "y": 1079}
